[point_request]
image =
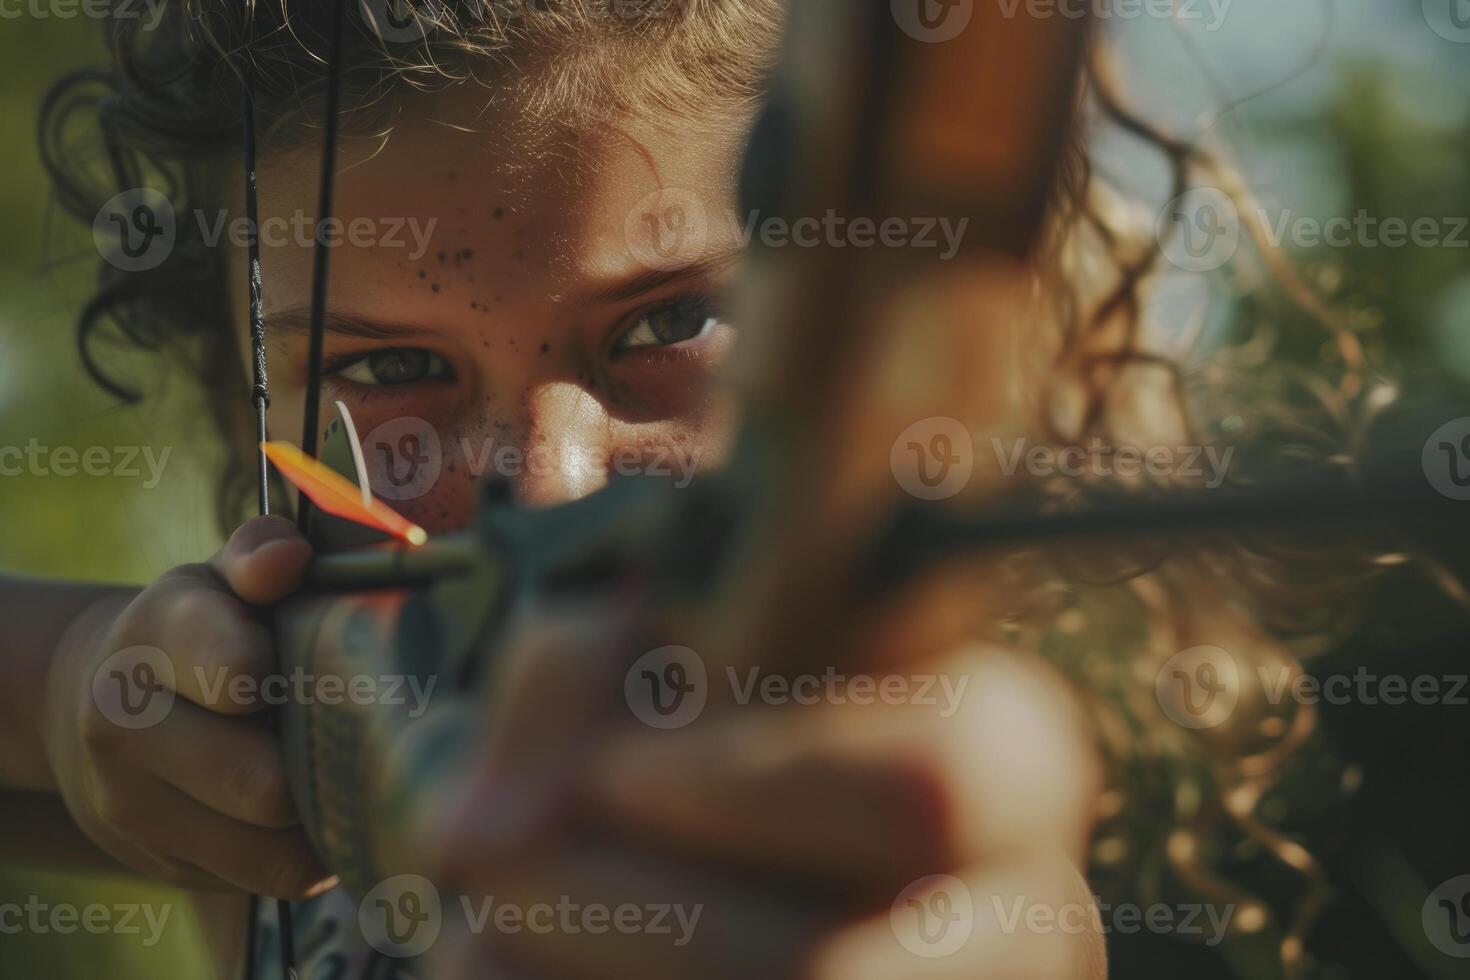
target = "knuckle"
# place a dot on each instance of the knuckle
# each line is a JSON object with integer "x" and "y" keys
{"x": 180, "y": 578}
{"x": 187, "y": 605}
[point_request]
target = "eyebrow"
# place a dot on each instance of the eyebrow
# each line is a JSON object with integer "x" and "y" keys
{"x": 646, "y": 282}
{"x": 296, "y": 321}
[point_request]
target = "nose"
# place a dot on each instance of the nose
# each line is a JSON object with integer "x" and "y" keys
{"x": 565, "y": 439}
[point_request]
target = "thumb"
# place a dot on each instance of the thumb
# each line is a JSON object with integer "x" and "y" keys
{"x": 264, "y": 560}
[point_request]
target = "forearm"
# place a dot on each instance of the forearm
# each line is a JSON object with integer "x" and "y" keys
{"x": 37, "y": 829}
{"x": 40, "y": 615}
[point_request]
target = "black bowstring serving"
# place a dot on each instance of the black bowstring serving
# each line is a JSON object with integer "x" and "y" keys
{"x": 260, "y": 396}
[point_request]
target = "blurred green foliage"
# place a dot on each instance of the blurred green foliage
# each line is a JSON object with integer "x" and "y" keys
{"x": 85, "y": 527}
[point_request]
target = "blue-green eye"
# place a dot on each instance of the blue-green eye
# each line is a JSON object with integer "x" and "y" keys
{"x": 672, "y": 323}
{"x": 399, "y": 366}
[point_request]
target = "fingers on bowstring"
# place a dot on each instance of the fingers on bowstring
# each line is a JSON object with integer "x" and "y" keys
{"x": 264, "y": 560}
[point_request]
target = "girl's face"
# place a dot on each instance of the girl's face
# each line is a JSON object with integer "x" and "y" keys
{"x": 552, "y": 326}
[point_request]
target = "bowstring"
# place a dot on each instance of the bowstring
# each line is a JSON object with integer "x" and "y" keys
{"x": 260, "y": 389}
{"x": 260, "y": 386}
{"x": 311, "y": 411}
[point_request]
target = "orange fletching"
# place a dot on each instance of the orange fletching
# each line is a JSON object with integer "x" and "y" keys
{"x": 337, "y": 495}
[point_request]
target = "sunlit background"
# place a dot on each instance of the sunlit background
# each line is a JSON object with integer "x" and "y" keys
{"x": 1326, "y": 108}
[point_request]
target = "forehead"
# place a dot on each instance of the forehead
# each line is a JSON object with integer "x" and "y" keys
{"x": 451, "y": 192}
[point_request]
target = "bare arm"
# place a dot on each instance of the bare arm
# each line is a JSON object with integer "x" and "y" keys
{"x": 188, "y": 788}
{"x": 34, "y": 821}
{"x": 40, "y": 614}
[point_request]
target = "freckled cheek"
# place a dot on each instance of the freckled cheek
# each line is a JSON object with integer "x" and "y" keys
{"x": 419, "y": 469}
{"x": 446, "y": 505}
